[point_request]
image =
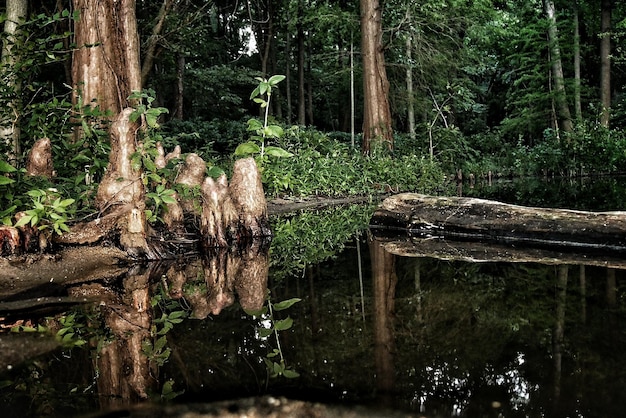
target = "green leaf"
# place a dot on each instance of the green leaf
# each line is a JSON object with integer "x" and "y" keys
{"x": 285, "y": 304}
{"x": 277, "y": 152}
{"x": 273, "y": 131}
{"x": 283, "y": 324}
{"x": 265, "y": 332}
{"x": 247, "y": 148}
{"x": 275, "y": 79}
{"x": 255, "y": 92}
{"x": 149, "y": 164}
{"x": 290, "y": 374}
{"x": 66, "y": 202}
{"x": 264, "y": 87}
{"x": 254, "y": 125}
{"x": 5, "y": 180}
{"x": 215, "y": 172}
{"x": 6, "y": 167}
{"x": 256, "y": 313}
{"x": 168, "y": 199}
{"x": 23, "y": 221}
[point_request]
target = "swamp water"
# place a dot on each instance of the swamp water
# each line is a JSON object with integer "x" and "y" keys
{"x": 435, "y": 337}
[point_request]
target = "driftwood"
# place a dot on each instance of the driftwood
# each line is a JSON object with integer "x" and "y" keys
{"x": 478, "y": 220}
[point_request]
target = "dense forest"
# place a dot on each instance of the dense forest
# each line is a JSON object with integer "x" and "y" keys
{"x": 365, "y": 96}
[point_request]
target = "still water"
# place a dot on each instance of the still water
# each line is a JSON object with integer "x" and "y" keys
{"x": 431, "y": 336}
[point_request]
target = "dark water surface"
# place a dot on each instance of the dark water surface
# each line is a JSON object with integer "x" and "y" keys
{"x": 432, "y": 337}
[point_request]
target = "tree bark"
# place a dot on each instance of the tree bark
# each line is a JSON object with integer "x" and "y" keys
{"x": 105, "y": 65}
{"x": 605, "y": 63}
{"x": 377, "y": 113}
{"x": 16, "y": 12}
{"x": 565, "y": 117}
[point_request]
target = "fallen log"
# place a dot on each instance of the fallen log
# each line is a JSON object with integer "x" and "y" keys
{"x": 471, "y": 219}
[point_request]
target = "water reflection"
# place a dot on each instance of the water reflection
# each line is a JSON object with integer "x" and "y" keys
{"x": 434, "y": 336}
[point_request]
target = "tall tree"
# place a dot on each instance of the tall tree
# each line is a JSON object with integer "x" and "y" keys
{"x": 605, "y": 62}
{"x": 106, "y": 71}
{"x": 301, "y": 46}
{"x": 105, "y": 65}
{"x": 577, "y": 82}
{"x": 16, "y": 13}
{"x": 376, "y": 111}
{"x": 564, "y": 115}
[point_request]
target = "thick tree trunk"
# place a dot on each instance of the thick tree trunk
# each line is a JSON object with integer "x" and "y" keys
{"x": 16, "y": 13}
{"x": 105, "y": 65}
{"x": 470, "y": 219}
{"x": 377, "y": 114}
{"x": 565, "y": 117}
{"x": 605, "y": 63}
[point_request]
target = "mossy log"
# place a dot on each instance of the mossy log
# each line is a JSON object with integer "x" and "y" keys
{"x": 486, "y": 221}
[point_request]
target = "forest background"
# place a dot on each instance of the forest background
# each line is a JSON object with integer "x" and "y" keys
{"x": 500, "y": 88}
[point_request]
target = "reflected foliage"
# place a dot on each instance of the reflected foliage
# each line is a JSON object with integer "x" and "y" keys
{"x": 311, "y": 237}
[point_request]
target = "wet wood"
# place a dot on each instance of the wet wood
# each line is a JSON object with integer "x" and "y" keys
{"x": 479, "y": 220}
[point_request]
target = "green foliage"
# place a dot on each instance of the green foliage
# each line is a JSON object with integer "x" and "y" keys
{"x": 269, "y": 325}
{"x": 74, "y": 331}
{"x": 172, "y": 313}
{"x": 311, "y": 237}
{"x": 324, "y": 167}
{"x": 263, "y": 131}
{"x": 49, "y": 211}
{"x": 157, "y": 180}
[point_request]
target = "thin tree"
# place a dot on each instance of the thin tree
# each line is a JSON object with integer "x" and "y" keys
{"x": 16, "y": 13}
{"x": 605, "y": 62}
{"x": 577, "y": 82}
{"x": 377, "y": 114}
{"x": 564, "y": 115}
{"x": 301, "y": 46}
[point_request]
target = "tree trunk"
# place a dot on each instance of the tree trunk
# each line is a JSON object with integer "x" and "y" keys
{"x": 153, "y": 40}
{"x": 180, "y": 85}
{"x": 577, "y": 83}
{"x": 605, "y": 63}
{"x": 377, "y": 114}
{"x": 309, "y": 85}
{"x": 565, "y": 117}
{"x": 289, "y": 115}
{"x": 105, "y": 65}
{"x": 16, "y": 13}
{"x": 105, "y": 71}
{"x": 264, "y": 34}
{"x": 301, "y": 87}
{"x": 409, "y": 89}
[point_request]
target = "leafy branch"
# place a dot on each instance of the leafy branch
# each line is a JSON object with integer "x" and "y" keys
{"x": 263, "y": 131}
{"x": 275, "y": 359}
